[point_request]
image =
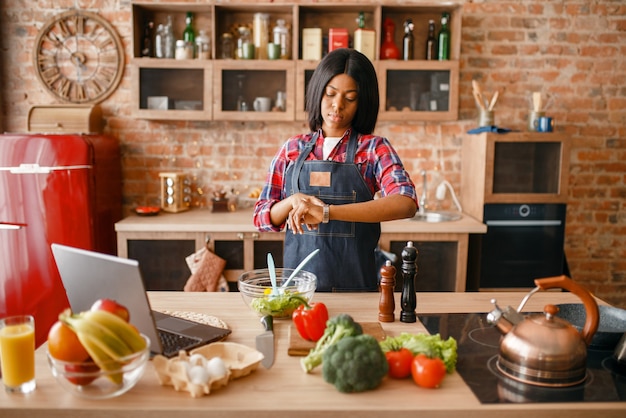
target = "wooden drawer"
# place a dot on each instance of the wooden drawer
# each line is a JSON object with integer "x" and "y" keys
{"x": 65, "y": 118}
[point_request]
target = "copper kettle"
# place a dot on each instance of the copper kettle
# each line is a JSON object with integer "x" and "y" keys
{"x": 543, "y": 349}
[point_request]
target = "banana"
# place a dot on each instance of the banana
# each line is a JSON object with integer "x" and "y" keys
{"x": 103, "y": 337}
{"x": 125, "y": 331}
{"x": 101, "y": 357}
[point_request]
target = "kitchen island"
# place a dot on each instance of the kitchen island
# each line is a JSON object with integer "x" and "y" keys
{"x": 285, "y": 390}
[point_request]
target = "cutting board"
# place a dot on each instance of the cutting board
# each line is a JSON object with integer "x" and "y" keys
{"x": 298, "y": 346}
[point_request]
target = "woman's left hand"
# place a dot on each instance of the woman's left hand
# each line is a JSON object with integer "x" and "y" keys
{"x": 305, "y": 210}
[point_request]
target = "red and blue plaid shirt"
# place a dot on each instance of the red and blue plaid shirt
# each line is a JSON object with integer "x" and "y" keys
{"x": 378, "y": 162}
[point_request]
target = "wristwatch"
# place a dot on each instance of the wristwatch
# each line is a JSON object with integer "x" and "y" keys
{"x": 326, "y": 214}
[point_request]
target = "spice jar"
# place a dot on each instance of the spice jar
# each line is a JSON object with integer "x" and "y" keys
{"x": 281, "y": 37}
{"x": 245, "y": 47}
{"x": 228, "y": 46}
{"x": 184, "y": 50}
{"x": 203, "y": 45}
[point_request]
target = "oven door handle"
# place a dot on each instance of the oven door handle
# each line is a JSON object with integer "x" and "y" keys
{"x": 525, "y": 223}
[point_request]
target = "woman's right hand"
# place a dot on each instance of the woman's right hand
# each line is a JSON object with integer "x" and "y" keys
{"x": 305, "y": 210}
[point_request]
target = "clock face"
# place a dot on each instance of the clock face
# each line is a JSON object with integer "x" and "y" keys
{"x": 79, "y": 57}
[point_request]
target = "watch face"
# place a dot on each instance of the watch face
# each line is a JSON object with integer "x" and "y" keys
{"x": 79, "y": 57}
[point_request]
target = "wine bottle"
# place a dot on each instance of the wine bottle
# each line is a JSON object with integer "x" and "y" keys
{"x": 431, "y": 42}
{"x": 444, "y": 39}
{"x": 407, "y": 40}
{"x": 189, "y": 35}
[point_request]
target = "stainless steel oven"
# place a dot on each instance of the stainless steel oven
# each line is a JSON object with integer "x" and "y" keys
{"x": 523, "y": 242}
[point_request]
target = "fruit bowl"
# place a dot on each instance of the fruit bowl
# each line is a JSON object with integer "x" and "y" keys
{"x": 256, "y": 289}
{"x": 86, "y": 380}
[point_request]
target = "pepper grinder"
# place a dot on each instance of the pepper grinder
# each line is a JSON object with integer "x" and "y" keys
{"x": 387, "y": 304}
{"x": 409, "y": 271}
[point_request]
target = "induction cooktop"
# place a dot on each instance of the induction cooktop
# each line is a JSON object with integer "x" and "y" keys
{"x": 478, "y": 344}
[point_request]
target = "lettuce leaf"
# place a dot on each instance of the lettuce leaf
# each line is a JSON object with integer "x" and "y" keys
{"x": 431, "y": 345}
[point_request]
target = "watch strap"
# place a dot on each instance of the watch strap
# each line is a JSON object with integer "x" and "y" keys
{"x": 326, "y": 214}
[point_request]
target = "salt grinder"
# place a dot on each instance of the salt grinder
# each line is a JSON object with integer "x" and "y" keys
{"x": 409, "y": 271}
{"x": 387, "y": 304}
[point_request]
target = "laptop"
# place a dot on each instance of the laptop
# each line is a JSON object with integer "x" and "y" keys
{"x": 88, "y": 276}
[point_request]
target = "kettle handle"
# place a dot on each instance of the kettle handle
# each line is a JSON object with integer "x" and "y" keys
{"x": 592, "y": 313}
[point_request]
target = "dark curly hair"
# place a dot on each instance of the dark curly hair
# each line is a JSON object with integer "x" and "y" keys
{"x": 359, "y": 67}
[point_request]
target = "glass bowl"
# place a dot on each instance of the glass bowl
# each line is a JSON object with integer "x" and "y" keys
{"x": 86, "y": 380}
{"x": 256, "y": 288}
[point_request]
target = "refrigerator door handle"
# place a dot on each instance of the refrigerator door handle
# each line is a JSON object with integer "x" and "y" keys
{"x": 7, "y": 226}
{"x": 37, "y": 169}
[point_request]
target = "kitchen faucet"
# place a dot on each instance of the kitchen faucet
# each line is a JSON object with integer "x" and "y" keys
{"x": 422, "y": 199}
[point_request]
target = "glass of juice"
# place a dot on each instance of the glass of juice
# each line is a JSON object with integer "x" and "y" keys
{"x": 17, "y": 353}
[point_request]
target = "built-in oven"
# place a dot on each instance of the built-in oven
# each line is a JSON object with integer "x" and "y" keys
{"x": 523, "y": 242}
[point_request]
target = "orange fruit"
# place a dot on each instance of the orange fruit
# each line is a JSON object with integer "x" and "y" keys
{"x": 64, "y": 345}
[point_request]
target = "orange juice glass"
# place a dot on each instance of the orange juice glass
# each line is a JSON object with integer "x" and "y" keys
{"x": 17, "y": 353}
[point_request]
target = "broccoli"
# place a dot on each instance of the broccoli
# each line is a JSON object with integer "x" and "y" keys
{"x": 337, "y": 327}
{"x": 355, "y": 364}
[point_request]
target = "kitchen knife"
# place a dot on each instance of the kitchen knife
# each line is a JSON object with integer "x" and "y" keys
{"x": 265, "y": 341}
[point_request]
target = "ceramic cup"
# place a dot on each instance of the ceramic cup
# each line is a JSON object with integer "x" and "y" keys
{"x": 545, "y": 124}
{"x": 485, "y": 117}
{"x": 17, "y": 345}
{"x": 533, "y": 120}
{"x": 262, "y": 104}
{"x": 273, "y": 51}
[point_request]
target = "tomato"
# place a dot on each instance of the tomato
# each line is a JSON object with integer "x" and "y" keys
{"x": 428, "y": 372}
{"x": 399, "y": 363}
{"x": 111, "y": 306}
{"x": 81, "y": 368}
{"x": 63, "y": 344}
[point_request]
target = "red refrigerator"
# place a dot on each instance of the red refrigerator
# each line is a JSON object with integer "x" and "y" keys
{"x": 63, "y": 188}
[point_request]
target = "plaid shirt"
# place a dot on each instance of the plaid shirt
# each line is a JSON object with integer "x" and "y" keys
{"x": 378, "y": 162}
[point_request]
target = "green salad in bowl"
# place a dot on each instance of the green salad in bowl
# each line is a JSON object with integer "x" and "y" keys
{"x": 256, "y": 289}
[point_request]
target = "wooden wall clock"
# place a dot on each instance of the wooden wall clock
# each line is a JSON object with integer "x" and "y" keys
{"x": 79, "y": 57}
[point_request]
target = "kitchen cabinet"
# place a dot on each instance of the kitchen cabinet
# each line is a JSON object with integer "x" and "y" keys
{"x": 194, "y": 89}
{"x": 161, "y": 243}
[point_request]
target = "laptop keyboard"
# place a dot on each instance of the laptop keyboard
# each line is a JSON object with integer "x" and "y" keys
{"x": 172, "y": 343}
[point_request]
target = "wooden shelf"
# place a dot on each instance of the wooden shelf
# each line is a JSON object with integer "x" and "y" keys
{"x": 152, "y": 76}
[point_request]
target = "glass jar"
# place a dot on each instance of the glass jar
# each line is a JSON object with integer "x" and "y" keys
{"x": 184, "y": 50}
{"x": 228, "y": 46}
{"x": 245, "y": 47}
{"x": 261, "y": 32}
{"x": 281, "y": 37}
{"x": 203, "y": 45}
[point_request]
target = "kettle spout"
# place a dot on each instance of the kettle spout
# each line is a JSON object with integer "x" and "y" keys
{"x": 505, "y": 319}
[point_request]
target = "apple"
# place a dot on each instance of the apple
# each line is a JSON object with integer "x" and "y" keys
{"x": 111, "y": 306}
{"x": 71, "y": 368}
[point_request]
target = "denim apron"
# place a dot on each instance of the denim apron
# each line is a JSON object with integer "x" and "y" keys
{"x": 346, "y": 261}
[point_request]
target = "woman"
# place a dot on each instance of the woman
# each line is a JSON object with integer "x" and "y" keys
{"x": 321, "y": 185}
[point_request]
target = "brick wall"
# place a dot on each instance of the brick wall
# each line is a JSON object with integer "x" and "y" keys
{"x": 572, "y": 51}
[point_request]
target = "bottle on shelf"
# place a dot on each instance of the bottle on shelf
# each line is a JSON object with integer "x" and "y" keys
{"x": 147, "y": 47}
{"x": 261, "y": 31}
{"x": 444, "y": 38}
{"x": 407, "y": 40}
{"x": 245, "y": 47}
{"x": 159, "y": 41}
{"x": 169, "y": 40}
{"x": 203, "y": 45}
{"x": 389, "y": 50}
{"x": 281, "y": 37}
{"x": 431, "y": 42}
{"x": 364, "y": 39}
{"x": 189, "y": 35}
{"x": 242, "y": 104}
{"x": 228, "y": 46}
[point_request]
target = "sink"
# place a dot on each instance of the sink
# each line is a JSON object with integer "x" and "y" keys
{"x": 436, "y": 216}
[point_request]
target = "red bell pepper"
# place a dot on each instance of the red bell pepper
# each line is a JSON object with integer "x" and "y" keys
{"x": 310, "y": 320}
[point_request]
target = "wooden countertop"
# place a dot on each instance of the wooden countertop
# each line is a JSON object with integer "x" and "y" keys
{"x": 203, "y": 220}
{"x": 285, "y": 390}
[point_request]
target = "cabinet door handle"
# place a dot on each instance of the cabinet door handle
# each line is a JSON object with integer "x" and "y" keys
{"x": 255, "y": 235}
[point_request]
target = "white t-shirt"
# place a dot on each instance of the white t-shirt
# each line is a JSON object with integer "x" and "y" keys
{"x": 329, "y": 145}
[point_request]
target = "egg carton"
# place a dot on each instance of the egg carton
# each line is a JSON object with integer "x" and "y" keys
{"x": 239, "y": 360}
